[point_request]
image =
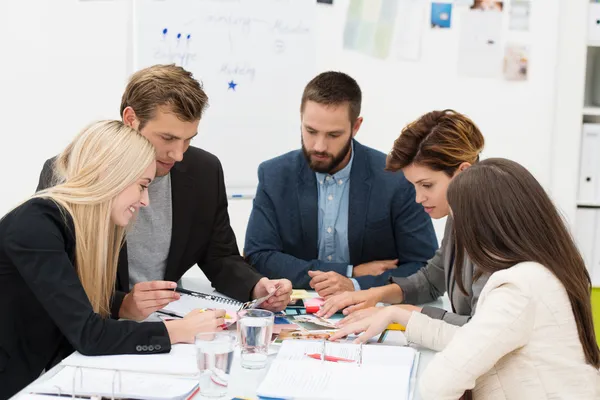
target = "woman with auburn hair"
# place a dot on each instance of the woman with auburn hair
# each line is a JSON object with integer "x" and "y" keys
{"x": 430, "y": 151}
{"x": 58, "y": 261}
{"x": 532, "y": 336}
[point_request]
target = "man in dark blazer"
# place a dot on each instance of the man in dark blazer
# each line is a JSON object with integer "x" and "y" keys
{"x": 187, "y": 221}
{"x": 329, "y": 217}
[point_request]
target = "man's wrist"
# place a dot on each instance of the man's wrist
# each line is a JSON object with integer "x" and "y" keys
{"x": 257, "y": 287}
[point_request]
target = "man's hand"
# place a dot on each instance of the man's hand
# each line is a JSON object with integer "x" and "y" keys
{"x": 281, "y": 298}
{"x": 349, "y": 302}
{"x": 146, "y": 298}
{"x": 330, "y": 283}
{"x": 374, "y": 268}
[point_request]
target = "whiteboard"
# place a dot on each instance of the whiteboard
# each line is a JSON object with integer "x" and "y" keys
{"x": 253, "y": 57}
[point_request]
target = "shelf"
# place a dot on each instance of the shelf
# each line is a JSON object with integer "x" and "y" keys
{"x": 591, "y": 110}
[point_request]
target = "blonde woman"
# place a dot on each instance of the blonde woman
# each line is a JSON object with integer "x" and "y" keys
{"x": 58, "y": 260}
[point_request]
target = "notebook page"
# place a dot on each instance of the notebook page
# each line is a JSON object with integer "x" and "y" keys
{"x": 180, "y": 361}
{"x": 372, "y": 354}
{"x": 313, "y": 379}
{"x": 130, "y": 385}
{"x": 187, "y": 303}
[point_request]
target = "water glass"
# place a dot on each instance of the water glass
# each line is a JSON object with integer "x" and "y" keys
{"x": 214, "y": 356}
{"x": 255, "y": 328}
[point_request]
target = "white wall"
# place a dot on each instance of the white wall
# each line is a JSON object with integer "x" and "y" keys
{"x": 65, "y": 63}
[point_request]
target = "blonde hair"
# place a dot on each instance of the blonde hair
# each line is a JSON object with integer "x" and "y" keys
{"x": 102, "y": 161}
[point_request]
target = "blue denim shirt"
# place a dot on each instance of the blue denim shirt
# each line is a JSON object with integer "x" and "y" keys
{"x": 334, "y": 197}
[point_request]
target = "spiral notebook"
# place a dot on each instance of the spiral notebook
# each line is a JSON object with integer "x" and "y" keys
{"x": 191, "y": 300}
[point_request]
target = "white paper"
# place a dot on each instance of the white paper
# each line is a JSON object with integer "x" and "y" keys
{"x": 88, "y": 382}
{"x": 519, "y": 13}
{"x": 411, "y": 21}
{"x": 313, "y": 379}
{"x": 480, "y": 52}
{"x": 395, "y": 338}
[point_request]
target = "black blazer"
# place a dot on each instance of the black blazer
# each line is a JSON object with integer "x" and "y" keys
{"x": 44, "y": 311}
{"x": 201, "y": 232}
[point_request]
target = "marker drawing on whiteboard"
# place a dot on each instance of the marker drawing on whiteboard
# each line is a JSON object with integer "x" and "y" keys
{"x": 232, "y": 85}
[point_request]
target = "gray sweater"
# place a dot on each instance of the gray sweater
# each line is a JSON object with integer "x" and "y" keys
{"x": 437, "y": 277}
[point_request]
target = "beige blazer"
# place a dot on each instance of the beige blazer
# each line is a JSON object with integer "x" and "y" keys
{"x": 437, "y": 277}
{"x": 522, "y": 344}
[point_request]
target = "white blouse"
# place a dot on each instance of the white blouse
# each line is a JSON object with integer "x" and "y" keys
{"x": 522, "y": 343}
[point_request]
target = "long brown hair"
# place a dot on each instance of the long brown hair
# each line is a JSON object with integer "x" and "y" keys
{"x": 440, "y": 140}
{"x": 503, "y": 216}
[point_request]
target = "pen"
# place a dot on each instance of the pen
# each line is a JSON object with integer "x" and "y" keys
{"x": 329, "y": 358}
{"x": 170, "y": 314}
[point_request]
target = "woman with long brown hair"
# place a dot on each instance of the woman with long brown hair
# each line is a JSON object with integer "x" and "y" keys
{"x": 532, "y": 336}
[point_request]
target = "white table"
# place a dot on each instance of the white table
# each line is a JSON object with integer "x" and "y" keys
{"x": 244, "y": 382}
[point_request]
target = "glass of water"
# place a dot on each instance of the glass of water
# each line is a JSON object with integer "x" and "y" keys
{"x": 214, "y": 356}
{"x": 255, "y": 328}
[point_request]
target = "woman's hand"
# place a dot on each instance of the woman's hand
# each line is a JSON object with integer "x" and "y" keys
{"x": 374, "y": 324}
{"x": 197, "y": 321}
{"x": 359, "y": 315}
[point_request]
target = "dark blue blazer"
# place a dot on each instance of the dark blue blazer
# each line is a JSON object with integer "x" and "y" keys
{"x": 384, "y": 221}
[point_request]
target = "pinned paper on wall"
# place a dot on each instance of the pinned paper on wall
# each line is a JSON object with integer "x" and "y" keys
{"x": 519, "y": 15}
{"x": 480, "y": 51}
{"x": 385, "y": 28}
{"x": 516, "y": 59}
{"x": 370, "y": 26}
{"x": 487, "y": 5}
{"x": 441, "y": 15}
{"x": 411, "y": 21}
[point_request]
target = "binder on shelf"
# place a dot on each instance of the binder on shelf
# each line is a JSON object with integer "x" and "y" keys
{"x": 589, "y": 171}
{"x": 594, "y": 22}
